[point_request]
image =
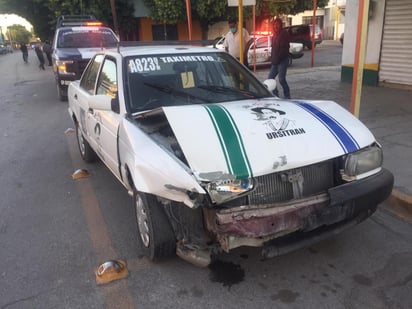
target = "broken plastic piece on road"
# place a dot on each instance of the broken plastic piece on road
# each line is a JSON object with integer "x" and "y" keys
{"x": 111, "y": 270}
{"x": 69, "y": 131}
{"x": 80, "y": 173}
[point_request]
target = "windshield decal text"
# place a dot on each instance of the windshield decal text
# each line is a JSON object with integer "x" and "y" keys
{"x": 150, "y": 64}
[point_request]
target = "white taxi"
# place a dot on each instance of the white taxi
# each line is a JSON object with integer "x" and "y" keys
{"x": 214, "y": 161}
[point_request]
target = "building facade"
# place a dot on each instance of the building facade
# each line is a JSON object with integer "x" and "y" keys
{"x": 388, "y": 58}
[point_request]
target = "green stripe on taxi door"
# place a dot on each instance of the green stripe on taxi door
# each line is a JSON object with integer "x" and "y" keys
{"x": 230, "y": 140}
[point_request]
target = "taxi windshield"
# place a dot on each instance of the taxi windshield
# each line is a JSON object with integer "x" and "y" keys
{"x": 182, "y": 79}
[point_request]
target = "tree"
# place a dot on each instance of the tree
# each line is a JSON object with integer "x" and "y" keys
{"x": 167, "y": 11}
{"x": 18, "y": 33}
{"x": 34, "y": 11}
{"x": 268, "y": 8}
{"x": 43, "y": 14}
{"x": 211, "y": 11}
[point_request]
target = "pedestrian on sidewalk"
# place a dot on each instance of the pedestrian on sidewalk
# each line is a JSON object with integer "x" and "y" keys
{"x": 48, "y": 50}
{"x": 232, "y": 39}
{"x": 39, "y": 53}
{"x": 280, "y": 57}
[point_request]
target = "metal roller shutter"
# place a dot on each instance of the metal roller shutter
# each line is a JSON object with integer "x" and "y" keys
{"x": 396, "y": 53}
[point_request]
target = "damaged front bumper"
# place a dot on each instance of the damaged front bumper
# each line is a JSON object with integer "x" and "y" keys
{"x": 258, "y": 225}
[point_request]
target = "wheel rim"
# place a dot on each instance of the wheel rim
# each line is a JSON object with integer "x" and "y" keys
{"x": 142, "y": 221}
{"x": 80, "y": 140}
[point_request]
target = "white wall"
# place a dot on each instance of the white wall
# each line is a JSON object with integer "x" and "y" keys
{"x": 374, "y": 36}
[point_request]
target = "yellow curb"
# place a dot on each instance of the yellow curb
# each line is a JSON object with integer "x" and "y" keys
{"x": 401, "y": 205}
{"x": 402, "y": 197}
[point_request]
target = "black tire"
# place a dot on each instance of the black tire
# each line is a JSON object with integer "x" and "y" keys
{"x": 60, "y": 93}
{"x": 155, "y": 233}
{"x": 86, "y": 152}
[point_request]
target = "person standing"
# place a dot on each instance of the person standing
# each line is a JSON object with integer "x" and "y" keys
{"x": 25, "y": 52}
{"x": 280, "y": 57}
{"x": 40, "y": 55}
{"x": 48, "y": 50}
{"x": 232, "y": 39}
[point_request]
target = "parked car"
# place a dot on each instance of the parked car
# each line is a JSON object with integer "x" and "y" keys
{"x": 9, "y": 48}
{"x": 3, "y": 49}
{"x": 263, "y": 50}
{"x": 76, "y": 40}
{"x": 214, "y": 161}
{"x": 303, "y": 34}
{"x": 260, "y": 48}
{"x": 218, "y": 42}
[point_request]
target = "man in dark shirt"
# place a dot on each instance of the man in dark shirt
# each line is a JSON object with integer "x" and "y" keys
{"x": 280, "y": 57}
{"x": 24, "y": 51}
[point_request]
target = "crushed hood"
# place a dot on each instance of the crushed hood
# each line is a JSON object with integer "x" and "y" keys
{"x": 257, "y": 137}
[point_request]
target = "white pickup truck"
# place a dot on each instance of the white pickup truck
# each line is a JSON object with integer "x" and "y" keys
{"x": 214, "y": 161}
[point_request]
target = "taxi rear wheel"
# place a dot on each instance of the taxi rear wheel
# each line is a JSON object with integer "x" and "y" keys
{"x": 86, "y": 152}
{"x": 155, "y": 234}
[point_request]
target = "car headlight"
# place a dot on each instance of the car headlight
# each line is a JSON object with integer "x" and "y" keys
{"x": 363, "y": 163}
{"x": 225, "y": 190}
{"x": 62, "y": 67}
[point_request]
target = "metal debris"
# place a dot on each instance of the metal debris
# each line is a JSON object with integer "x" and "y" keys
{"x": 69, "y": 131}
{"x": 111, "y": 270}
{"x": 80, "y": 173}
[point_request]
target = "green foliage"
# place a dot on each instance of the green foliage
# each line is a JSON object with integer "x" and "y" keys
{"x": 167, "y": 11}
{"x": 43, "y": 14}
{"x": 19, "y": 33}
{"x": 210, "y": 11}
{"x": 34, "y": 11}
{"x": 302, "y": 5}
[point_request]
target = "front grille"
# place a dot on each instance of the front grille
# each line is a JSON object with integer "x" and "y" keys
{"x": 274, "y": 188}
{"x": 78, "y": 67}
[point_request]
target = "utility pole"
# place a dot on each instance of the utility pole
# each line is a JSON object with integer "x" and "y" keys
{"x": 114, "y": 14}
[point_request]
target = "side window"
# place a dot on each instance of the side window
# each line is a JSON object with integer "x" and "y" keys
{"x": 107, "y": 83}
{"x": 263, "y": 42}
{"x": 88, "y": 80}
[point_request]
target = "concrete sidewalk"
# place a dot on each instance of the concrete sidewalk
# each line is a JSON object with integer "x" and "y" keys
{"x": 387, "y": 112}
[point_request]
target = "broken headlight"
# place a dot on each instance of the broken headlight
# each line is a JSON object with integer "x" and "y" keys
{"x": 362, "y": 163}
{"x": 224, "y": 190}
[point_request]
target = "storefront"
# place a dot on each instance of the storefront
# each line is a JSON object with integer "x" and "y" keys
{"x": 396, "y": 54}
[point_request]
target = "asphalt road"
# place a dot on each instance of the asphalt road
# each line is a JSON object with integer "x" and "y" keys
{"x": 55, "y": 231}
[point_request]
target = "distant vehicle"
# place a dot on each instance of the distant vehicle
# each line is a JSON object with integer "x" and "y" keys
{"x": 9, "y": 48}
{"x": 263, "y": 49}
{"x": 303, "y": 34}
{"x": 3, "y": 49}
{"x": 33, "y": 44}
{"x": 76, "y": 40}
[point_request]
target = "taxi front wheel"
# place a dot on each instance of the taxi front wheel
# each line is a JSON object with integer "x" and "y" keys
{"x": 155, "y": 233}
{"x": 86, "y": 152}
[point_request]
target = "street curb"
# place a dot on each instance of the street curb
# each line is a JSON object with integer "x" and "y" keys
{"x": 401, "y": 205}
{"x": 402, "y": 197}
